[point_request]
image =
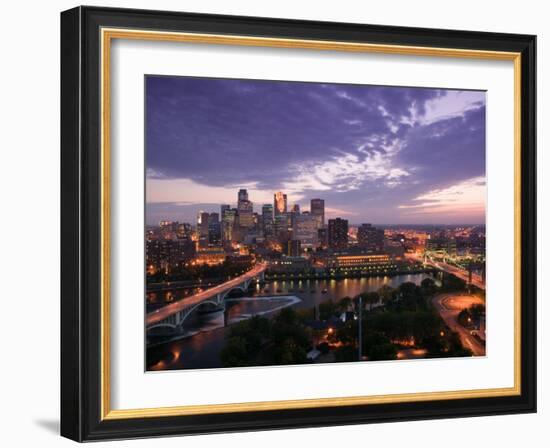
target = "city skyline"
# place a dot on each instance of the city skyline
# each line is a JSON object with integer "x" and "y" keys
{"x": 383, "y": 155}
{"x": 212, "y": 208}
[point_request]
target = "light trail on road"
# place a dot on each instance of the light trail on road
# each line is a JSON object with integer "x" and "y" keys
{"x": 168, "y": 310}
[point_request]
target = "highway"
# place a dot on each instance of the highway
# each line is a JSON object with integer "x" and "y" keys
{"x": 449, "y": 306}
{"x": 166, "y": 311}
{"x": 460, "y": 273}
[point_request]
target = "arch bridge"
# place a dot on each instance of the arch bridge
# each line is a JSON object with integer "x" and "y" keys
{"x": 173, "y": 316}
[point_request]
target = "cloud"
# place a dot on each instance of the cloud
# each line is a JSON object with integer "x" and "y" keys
{"x": 188, "y": 192}
{"x": 466, "y": 198}
{"x": 334, "y": 212}
{"x": 454, "y": 104}
{"x": 365, "y": 149}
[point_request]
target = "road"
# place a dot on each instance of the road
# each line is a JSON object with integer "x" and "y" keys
{"x": 166, "y": 311}
{"x": 449, "y": 306}
{"x": 460, "y": 273}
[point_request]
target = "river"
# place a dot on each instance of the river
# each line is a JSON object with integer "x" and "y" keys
{"x": 202, "y": 349}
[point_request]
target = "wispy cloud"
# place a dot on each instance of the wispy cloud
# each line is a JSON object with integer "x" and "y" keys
{"x": 465, "y": 198}
{"x": 189, "y": 192}
{"x": 455, "y": 103}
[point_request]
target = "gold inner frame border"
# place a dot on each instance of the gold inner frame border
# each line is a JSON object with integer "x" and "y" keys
{"x": 107, "y": 35}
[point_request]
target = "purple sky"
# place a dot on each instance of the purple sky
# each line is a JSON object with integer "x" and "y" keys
{"x": 391, "y": 155}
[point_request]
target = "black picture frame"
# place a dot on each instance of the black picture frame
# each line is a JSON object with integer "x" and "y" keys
{"x": 81, "y": 382}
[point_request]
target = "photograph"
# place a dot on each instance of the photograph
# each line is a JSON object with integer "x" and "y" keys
{"x": 293, "y": 223}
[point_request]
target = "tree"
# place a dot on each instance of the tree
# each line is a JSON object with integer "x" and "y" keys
{"x": 235, "y": 354}
{"x": 345, "y": 304}
{"x": 451, "y": 283}
{"x": 346, "y": 353}
{"x": 428, "y": 286}
{"x": 289, "y": 352}
{"x": 327, "y": 309}
{"x": 386, "y": 293}
{"x": 382, "y": 352}
{"x": 371, "y": 298}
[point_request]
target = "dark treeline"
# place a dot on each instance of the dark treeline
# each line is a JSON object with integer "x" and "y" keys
{"x": 392, "y": 319}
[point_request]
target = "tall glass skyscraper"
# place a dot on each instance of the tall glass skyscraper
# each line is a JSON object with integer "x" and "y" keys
{"x": 318, "y": 210}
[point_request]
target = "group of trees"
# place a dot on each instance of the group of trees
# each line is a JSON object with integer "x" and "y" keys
{"x": 392, "y": 318}
{"x": 396, "y": 317}
{"x": 261, "y": 341}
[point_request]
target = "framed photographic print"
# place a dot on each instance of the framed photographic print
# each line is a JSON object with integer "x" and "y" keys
{"x": 274, "y": 224}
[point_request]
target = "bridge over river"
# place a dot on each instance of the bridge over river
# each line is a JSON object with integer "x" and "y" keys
{"x": 173, "y": 315}
{"x": 463, "y": 274}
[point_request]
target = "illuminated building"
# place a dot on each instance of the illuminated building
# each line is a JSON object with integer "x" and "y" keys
{"x": 214, "y": 230}
{"x": 280, "y": 215}
{"x": 267, "y": 220}
{"x": 280, "y": 203}
{"x": 293, "y": 248}
{"x": 322, "y": 237}
{"x": 305, "y": 229}
{"x": 318, "y": 209}
{"x": 183, "y": 230}
{"x": 245, "y": 210}
{"x": 281, "y": 225}
{"x": 363, "y": 263}
{"x": 394, "y": 248}
{"x": 210, "y": 256}
{"x": 229, "y": 217}
{"x": 294, "y": 212}
{"x": 338, "y": 233}
{"x": 168, "y": 254}
{"x": 168, "y": 229}
{"x": 370, "y": 238}
{"x": 202, "y": 228}
{"x": 444, "y": 245}
{"x": 290, "y": 265}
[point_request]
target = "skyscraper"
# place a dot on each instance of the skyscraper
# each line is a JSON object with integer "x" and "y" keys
{"x": 370, "y": 238}
{"x": 202, "y": 228}
{"x": 280, "y": 215}
{"x": 267, "y": 220}
{"x": 245, "y": 210}
{"x": 242, "y": 195}
{"x": 305, "y": 229}
{"x": 318, "y": 210}
{"x": 338, "y": 234}
{"x": 293, "y": 248}
{"x": 214, "y": 230}
{"x": 294, "y": 212}
{"x": 279, "y": 203}
{"x": 322, "y": 237}
{"x": 229, "y": 217}
{"x": 223, "y": 208}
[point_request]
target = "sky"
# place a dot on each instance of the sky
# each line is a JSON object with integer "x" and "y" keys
{"x": 378, "y": 154}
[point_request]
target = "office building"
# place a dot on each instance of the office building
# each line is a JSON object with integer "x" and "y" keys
{"x": 318, "y": 209}
{"x": 280, "y": 203}
{"x": 370, "y": 238}
{"x": 214, "y": 230}
{"x": 305, "y": 229}
{"x": 338, "y": 234}
{"x": 267, "y": 220}
{"x": 245, "y": 210}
